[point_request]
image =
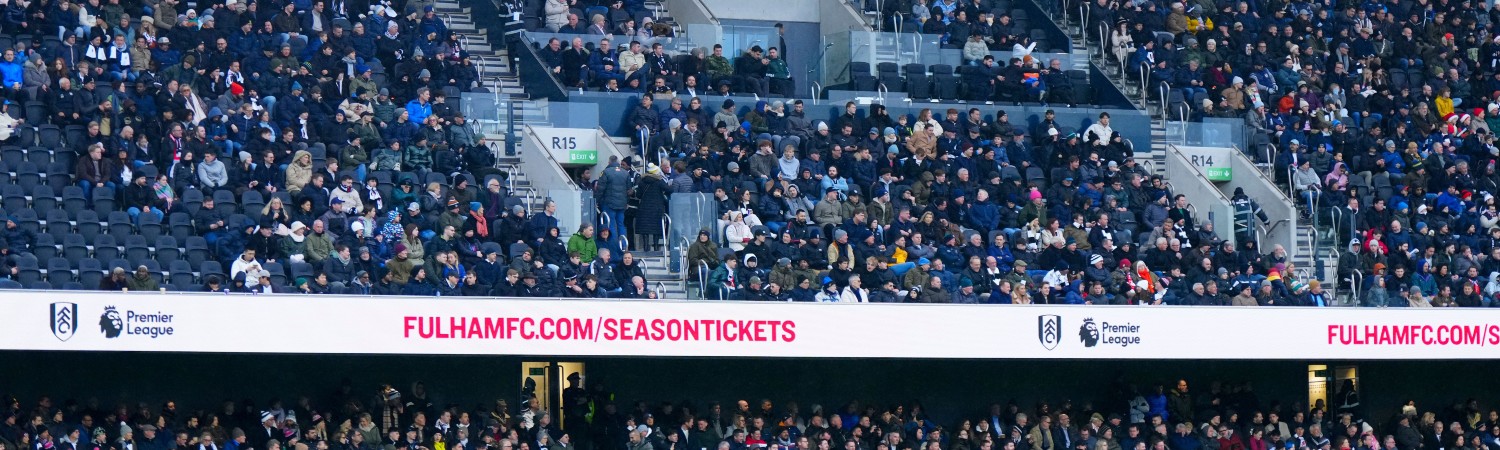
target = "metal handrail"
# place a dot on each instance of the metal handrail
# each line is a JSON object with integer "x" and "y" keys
{"x": 1145, "y": 85}
{"x": 666, "y": 235}
{"x": 1303, "y": 273}
{"x": 645, "y": 135}
{"x": 916, "y": 45}
{"x": 1356, "y": 283}
{"x": 1337, "y": 215}
{"x": 1313, "y": 244}
{"x": 1291, "y": 186}
{"x": 1271, "y": 153}
{"x": 510, "y": 180}
{"x": 682, "y": 267}
{"x": 703, "y": 280}
{"x": 1162, "y": 90}
{"x": 1083, "y": 24}
{"x": 1104, "y": 44}
{"x": 1274, "y": 225}
{"x": 816, "y": 89}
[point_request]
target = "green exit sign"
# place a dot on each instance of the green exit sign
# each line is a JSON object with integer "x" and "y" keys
{"x": 583, "y": 157}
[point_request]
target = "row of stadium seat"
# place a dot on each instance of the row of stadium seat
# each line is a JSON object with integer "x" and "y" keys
{"x": 938, "y": 81}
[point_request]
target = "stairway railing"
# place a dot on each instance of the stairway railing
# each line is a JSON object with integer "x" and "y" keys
{"x": 1356, "y": 283}
{"x": 703, "y": 280}
{"x": 666, "y": 235}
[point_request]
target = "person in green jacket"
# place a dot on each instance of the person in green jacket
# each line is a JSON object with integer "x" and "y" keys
{"x": 142, "y": 281}
{"x": 781, "y": 77}
{"x": 719, "y": 67}
{"x": 722, "y": 281}
{"x": 582, "y": 242}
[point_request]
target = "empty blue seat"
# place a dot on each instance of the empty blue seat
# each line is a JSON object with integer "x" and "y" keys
{"x": 88, "y": 224}
{"x": 14, "y": 198}
{"x": 75, "y": 248}
{"x": 90, "y": 272}
{"x": 195, "y": 250}
{"x": 59, "y": 271}
{"x": 42, "y": 199}
{"x": 167, "y": 250}
{"x": 58, "y": 223}
{"x": 106, "y": 248}
{"x": 45, "y": 247}
{"x": 180, "y": 273}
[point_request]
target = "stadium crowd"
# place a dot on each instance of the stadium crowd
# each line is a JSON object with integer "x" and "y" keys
{"x": 1226, "y": 416}
{"x": 369, "y": 182}
{"x": 955, "y": 206}
{"x": 1383, "y": 111}
{"x": 1383, "y": 148}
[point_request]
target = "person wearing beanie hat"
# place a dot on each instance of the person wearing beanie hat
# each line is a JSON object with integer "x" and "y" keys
{"x": 401, "y": 264}
{"x": 965, "y": 293}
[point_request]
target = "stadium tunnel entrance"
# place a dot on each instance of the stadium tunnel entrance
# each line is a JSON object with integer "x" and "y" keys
{"x": 948, "y": 388}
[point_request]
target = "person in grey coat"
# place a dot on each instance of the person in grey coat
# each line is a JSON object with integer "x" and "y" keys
{"x": 211, "y": 173}
{"x": 614, "y": 184}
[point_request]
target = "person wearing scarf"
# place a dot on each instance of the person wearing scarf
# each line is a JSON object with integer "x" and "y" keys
{"x": 163, "y": 190}
{"x": 1145, "y": 283}
{"x": 373, "y": 199}
{"x": 295, "y": 247}
{"x": 481, "y": 224}
{"x": 115, "y": 57}
{"x": 346, "y": 192}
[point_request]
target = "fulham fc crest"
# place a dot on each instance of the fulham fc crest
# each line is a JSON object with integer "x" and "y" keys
{"x": 64, "y": 320}
{"x": 1049, "y": 330}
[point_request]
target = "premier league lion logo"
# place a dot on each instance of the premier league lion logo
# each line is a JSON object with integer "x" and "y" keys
{"x": 110, "y": 323}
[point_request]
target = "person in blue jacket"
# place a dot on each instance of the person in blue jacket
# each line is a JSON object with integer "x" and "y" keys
{"x": 983, "y": 214}
{"x": 419, "y": 108}
{"x": 11, "y": 73}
